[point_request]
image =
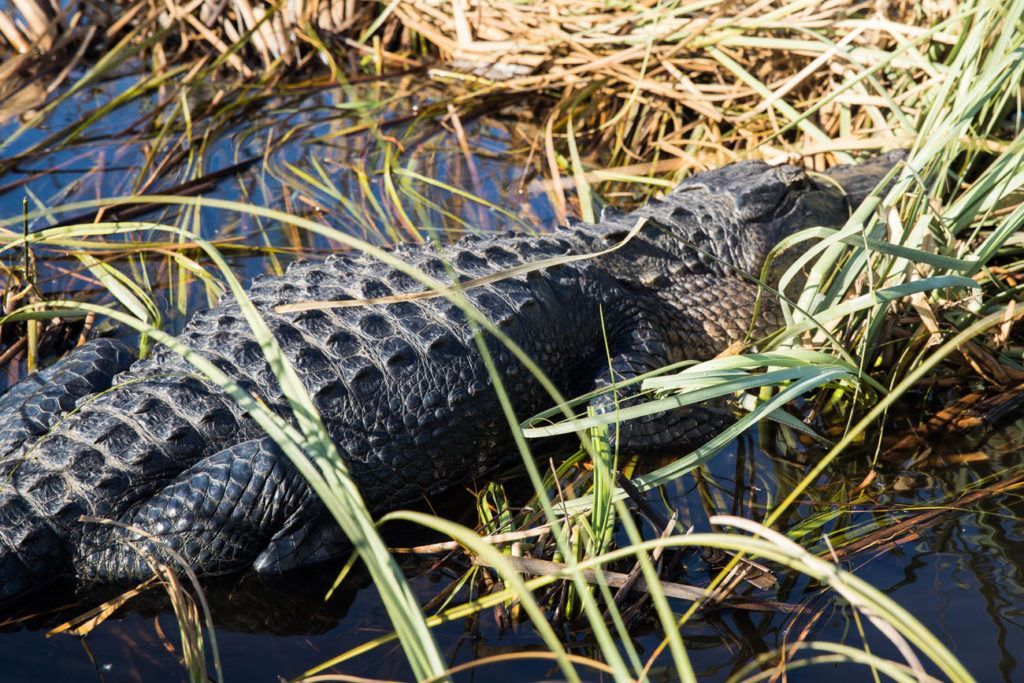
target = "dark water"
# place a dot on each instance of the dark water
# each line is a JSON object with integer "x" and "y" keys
{"x": 960, "y": 577}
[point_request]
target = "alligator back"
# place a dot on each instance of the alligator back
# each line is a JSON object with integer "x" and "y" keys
{"x": 401, "y": 386}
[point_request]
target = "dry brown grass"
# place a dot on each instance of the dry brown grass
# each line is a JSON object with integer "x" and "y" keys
{"x": 655, "y": 89}
{"x": 645, "y": 90}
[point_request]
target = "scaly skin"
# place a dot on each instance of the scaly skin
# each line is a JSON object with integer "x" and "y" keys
{"x": 401, "y": 387}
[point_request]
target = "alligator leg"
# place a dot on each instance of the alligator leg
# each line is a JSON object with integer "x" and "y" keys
{"x": 641, "y": 348}
{"x": 687, "y": 426}
{"x": 719, "y": 312}
{"x": 305, "y": 541}
{"x": 683, "y": 427}
{"x": 30, "y": 408}
{"x": 218, "y": 515}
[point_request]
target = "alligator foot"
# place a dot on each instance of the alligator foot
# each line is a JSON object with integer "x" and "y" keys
{"x": 214, "y": 516}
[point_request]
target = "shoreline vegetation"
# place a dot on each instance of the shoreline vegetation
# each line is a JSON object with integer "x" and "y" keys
{"x": 654, "y": 88}
{"x": 912, "y": 303}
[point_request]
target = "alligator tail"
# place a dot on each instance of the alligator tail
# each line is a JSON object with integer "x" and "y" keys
{"x": 31, "y": 551}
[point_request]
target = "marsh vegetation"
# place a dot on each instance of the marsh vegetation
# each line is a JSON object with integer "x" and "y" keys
{"x": 862, "y": 513}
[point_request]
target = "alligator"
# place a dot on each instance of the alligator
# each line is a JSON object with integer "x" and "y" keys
{"x": 401, "y": 385}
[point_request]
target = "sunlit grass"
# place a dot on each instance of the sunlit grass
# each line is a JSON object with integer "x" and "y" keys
{"x": 920, "y": 283}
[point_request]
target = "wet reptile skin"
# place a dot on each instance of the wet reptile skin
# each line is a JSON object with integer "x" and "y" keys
{"x": 401, "y": 387}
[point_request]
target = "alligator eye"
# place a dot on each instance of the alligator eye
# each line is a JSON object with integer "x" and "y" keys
{"x": 794, "y": 178}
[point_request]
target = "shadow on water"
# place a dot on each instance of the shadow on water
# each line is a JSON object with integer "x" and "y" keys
{"x": 320, "y": 152}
